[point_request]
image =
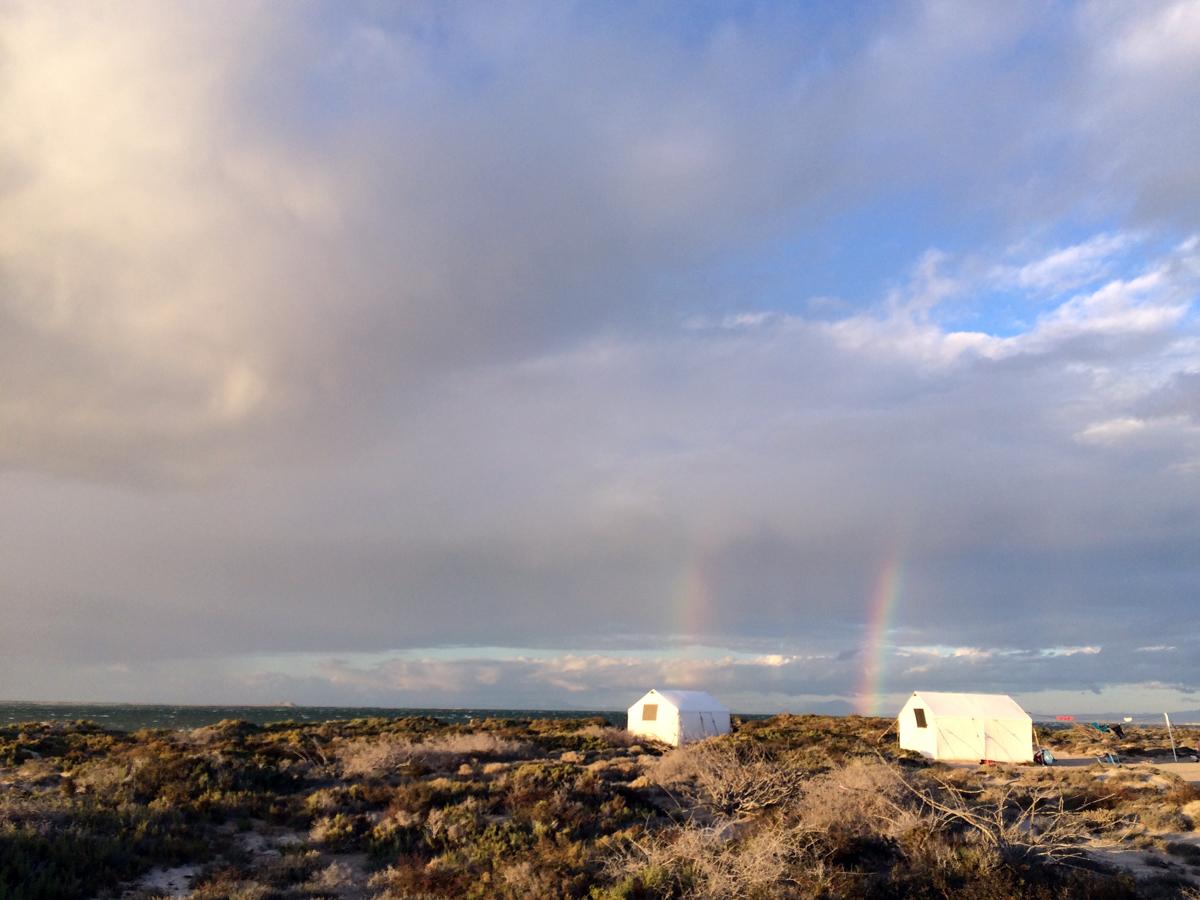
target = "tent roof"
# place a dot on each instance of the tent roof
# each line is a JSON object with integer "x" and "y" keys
{"x": 691, "y": 701}
{"x": 978, "y": 706}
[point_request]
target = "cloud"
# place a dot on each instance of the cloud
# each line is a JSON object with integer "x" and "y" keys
{"x": 816, "y": 683}
{"x": 1112, "y": 430}
{"x": 233, "y": 236}
{"x": 1068, "y": 268}
{"x": 581, "y": 680}
{"x": 717, "y": 485}
{"x": 1120, "y": 308}
{"x": 1138, "y": 71}
{"x": 320, "y": 335}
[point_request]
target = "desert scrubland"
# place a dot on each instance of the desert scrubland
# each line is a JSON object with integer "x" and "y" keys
{"x": 790, "y": 806}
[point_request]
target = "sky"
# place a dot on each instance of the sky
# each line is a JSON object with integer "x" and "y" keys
{"x": 531, "y": 355}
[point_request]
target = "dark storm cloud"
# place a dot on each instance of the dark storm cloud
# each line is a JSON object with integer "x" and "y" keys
{"x": 245, "y": 231}
{"x": 328, "y": 331}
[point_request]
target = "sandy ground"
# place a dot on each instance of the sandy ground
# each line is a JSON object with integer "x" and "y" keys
{"x": 1143, "y": 863}
{"x": 1148, "y": 864}
{"x": 341, "y": 874}
{"x": 168, "y": 882}
{"x": 1188, "y": 771}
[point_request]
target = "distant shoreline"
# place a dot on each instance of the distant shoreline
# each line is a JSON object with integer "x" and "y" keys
{"x": 136, "y": 716}
{"x": 1188, "y": 716}
{"x": 142, "y": 703}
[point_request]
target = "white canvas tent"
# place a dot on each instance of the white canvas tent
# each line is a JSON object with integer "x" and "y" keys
{"x": 677, "y": 717}
{"x": 966, "y": 727}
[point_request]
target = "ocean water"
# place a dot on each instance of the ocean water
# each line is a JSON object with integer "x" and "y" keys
{"x": 132, "y": 716}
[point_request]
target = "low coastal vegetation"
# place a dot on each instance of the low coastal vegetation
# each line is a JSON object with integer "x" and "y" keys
{"x": 789, "y": 806}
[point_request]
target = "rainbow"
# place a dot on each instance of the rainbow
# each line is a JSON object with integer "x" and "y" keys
{"x": 884, "y": 594}
{"x": 693, "y": 598}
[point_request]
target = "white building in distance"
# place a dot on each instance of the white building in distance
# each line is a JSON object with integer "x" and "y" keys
{"x": 677, "y": 717}
{"x": 971, "y": 727}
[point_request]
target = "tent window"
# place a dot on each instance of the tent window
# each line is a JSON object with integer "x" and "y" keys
{"x": 650, "y": 712}
{"x": 920, "y": 714}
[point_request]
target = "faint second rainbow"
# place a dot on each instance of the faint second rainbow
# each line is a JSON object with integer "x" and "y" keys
{"x": 693, "y": 601}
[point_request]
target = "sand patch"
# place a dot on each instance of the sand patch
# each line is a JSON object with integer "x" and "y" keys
{"x": 175, "y": 881}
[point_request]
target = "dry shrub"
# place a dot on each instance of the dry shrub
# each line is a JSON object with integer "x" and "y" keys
{"x": 1191, "y": 812}
{"x": 696, "y": 860}
{"x": 225, "y": 731}
{"x": 1139, "y": 741}
{"x": 866, "y": 820}
{"x": 335, "y": 879}
{"x": 862, "y": 798}
{"x": 326, "y": 800}
{"x": 1184, "y": 793}
{"x": 1022, "y": 826}
{"x": 291, "y": 868}
{"x": 1157, "y": 800}
{"x": 451, "y": 825}
{"x": 338, "y": 832}
{"x": 479, "y": 744}
{"x": 520, "y": 877}
{"x": 615, "y": 769}
{"x": 38, "y": 772}
{"x": 615, "y": 738}
{"x": 375, "y": 758}
{"x": 760, "y": 829}
{"x": 533, "y": 880}
{"x": 726, "y": 777}
{"x": 416, "y": 878}
{"x": 230, "y": 887}
{"x": 104, "y": 777}
{"x": 378, "y": 757}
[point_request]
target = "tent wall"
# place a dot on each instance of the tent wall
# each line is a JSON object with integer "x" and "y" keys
{"x": 696, "y": 726}
{"x": 912, "y": 735}
{"x": 663, "y": 727}
{"x": 959, "y": 737}
{"x": 1002, "y": 740}
{"x": 962, "y": 736}
{"x": 672, "y": 725}
{"x": 1009, "y": 740}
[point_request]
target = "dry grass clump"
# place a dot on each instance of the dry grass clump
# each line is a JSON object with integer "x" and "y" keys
{"x": 821, "y": 742}
{"x": 379, "y": 757}
{"x": 1158, "y": 800}
{"x": 291, "y": 868}
{"x": 225, "y": 731}
{"x": 607, "y": 736}
{"x": 754, "y": 826}
{"x": 696, "y": 860}
{"x": 449, "y": 825}
{"x": 726, "y": 777}
{"x": 863, "y": 798}
{"x": 341, "y": 831}
{"x": 1022, "y": 826}
{"x": 233, "y": 889}
{"x": 335, "y": 880}
{"x": 619, "y": 770}
{"x": 1191, "y": 812}
{"x": 751, "y": 825}
{"x": 1129, "y": 800}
